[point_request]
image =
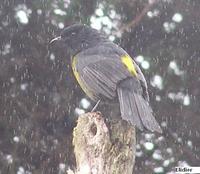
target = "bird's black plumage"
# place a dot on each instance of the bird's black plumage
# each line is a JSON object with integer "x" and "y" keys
{"x": 105, "y": 71}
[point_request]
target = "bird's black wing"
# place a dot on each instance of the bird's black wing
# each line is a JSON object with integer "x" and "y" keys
{"x": 102, "y": 74}
{"x": 108, "y": 77}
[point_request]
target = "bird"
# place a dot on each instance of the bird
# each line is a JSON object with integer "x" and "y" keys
{"x": 106, "y": 72}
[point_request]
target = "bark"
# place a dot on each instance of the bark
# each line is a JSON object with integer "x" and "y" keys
{"x": 103, "y": 147}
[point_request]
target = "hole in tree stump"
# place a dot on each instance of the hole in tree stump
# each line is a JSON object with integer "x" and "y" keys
{"x": 93, "y": 129}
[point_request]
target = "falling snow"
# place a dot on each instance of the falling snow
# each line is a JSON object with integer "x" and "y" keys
{"x": 41, "y": 100}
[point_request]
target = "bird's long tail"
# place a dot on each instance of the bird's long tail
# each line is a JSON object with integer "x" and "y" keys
{"x": 135, "y": 108}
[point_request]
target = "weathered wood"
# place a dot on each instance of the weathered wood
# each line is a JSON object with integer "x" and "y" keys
{"x": 103, "y": 148}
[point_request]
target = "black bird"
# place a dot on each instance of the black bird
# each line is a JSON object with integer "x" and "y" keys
{"x": 105, "y": 72}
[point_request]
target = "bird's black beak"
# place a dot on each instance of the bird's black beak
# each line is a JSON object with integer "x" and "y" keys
{"x": 55, "y": 39}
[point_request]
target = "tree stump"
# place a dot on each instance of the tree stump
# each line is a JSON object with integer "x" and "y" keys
{"x": 103, "y": 148}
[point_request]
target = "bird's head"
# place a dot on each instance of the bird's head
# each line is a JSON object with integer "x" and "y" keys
{"x": 79, "y": 37}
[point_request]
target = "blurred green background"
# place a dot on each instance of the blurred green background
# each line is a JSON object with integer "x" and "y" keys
{"x": 40, "y": 100}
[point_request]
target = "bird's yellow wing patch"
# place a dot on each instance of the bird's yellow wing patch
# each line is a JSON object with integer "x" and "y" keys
{"x": 76, "y": 74}
{"x": 78, "y": 78}
{"x": 128, "y": 62}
